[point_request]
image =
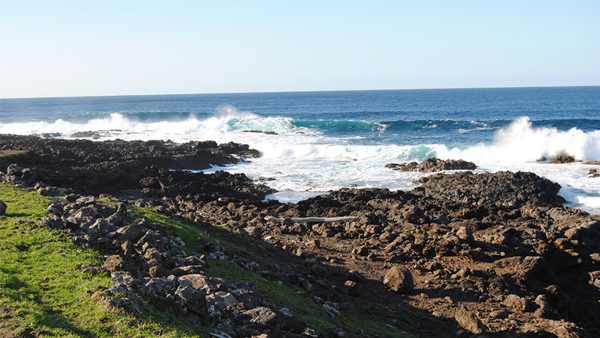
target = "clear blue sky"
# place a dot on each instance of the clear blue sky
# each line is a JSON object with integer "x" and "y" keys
{"x": 69, "y": 48}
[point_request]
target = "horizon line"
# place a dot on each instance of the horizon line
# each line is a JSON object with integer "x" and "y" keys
{"x": 289, "y": 92}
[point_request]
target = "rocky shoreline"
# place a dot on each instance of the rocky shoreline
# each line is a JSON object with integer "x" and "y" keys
{"x": 465, "y": 254}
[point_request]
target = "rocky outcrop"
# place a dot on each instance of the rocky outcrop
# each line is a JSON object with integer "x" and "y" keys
{"x": 106, "y": 167}
{"x": 433, "y": 165}
{"x": 145, "y": 262}
{"x": 203, "y": 187}
{"x": 487, "y": 253}
{"x": 500, "y": 246}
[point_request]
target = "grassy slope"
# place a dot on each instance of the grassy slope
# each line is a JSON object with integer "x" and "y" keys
{"x": 43, "y": 289}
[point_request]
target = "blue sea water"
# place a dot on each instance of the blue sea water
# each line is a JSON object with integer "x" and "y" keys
{"x": 328, "y": 140}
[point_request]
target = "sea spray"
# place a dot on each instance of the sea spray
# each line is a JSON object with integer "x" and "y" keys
{"x": 305, "y": 157}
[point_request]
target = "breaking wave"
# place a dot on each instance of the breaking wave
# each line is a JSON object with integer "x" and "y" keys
{"x": 520, "y": 142}
{"x": 306, "y": 156}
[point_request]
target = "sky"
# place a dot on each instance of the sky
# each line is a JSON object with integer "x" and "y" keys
{"x": 80, "y": 48}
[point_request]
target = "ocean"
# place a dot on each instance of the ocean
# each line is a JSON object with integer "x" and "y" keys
{"x": 313, "y": 142}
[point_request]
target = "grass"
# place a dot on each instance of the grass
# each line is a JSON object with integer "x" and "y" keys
{"x": 43, "y": 290}
{"x": 367, "y": 320}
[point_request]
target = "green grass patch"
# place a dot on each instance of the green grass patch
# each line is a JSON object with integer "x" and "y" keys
{"x": 44, "y": 291}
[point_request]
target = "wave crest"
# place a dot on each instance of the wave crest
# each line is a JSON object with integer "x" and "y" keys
{"x": 520, "y": 142}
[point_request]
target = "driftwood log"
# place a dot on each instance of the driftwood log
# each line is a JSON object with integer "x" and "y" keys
{"x": 312, "y": 219}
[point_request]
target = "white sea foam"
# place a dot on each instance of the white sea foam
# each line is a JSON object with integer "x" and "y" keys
{"x": 519, "y": 142}
{"x": 303, "y": 161}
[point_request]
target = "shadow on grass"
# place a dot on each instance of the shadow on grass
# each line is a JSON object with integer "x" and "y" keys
{"x": 44, "y": 316}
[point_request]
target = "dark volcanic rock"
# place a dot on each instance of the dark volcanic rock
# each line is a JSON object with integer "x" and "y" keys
{"x": 501, "y": 189}
{"x": 433, "y": 165}
{"x": 207, "y": 187}
{"x": 100, "y": 167}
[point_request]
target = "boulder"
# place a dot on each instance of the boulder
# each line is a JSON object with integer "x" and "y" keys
{"x": 261, "y": 317}
{"x": 197, "y": 281}
{"x": 114, "y": 263}
{"x": 469, "y": 321}
{"x": 516, "y": 303}
{"x": 3, "y": 208}
{"x": 160, "y": 289}
{"x": 433, "y": 165}
{"x": 398, "y": 279}
{"x": 190, "y": 299}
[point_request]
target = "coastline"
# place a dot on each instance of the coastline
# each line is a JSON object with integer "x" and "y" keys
{"x": 485, "y": 252}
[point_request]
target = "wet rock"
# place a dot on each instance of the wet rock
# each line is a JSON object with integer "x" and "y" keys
{"x": 398, "y": 279}
{"x": 562, "y": 158}
{"x": 433, "y": 165}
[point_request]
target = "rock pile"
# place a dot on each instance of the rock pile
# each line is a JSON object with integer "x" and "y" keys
{"x": 146, "y": 263}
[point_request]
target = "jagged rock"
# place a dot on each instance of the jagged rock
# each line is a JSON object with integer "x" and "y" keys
{"x": 197, "y": 281}
{"x": 543, "y": 310}
{"x": 469, "y": 321}
{"x": 433, "y": 165}
{"x": 516, "y": 303}
{"x": 191, "y": 300}
{"x": 249, "y": 298}
{"x": 69, "y": 164}
{"x": 465, "y": 233}
{"x": 55, "y": 209}
{"x": 160, "y": 289}
{"x": 51, "y": 191}
{"x": 114, "y": 263}
{"x": 13, "y": 169}
{"x": 398, "y": 279}
{"x": 562, "y": 158}
{"x": 361, "y": 251}
{"x": 221, "y": 299}
{"x": 261, "y": 317}
{"x": 188, "y": 270}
